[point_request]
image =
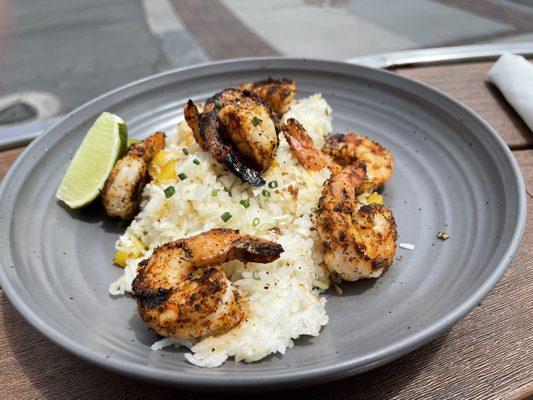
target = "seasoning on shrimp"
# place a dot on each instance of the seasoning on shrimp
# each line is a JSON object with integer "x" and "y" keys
{"x": 277, "y": 92}
{"x": 359, "y": 240}
{"x": 341, "y": 150}
{"x": 181, "y": 290}
{"x": 121, "y": 195}
{"x": 240, "y": 131}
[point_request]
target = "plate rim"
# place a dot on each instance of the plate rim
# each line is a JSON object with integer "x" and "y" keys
{"x": 310, "y": 376}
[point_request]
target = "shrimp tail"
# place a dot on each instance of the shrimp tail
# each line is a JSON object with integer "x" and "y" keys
{"x": 258, "y": 251}
{"x": 239, "y": 167}
{"x": 232, "y": 245}
{"x": 192, "y": 116}
{"x": 303, "y": 148}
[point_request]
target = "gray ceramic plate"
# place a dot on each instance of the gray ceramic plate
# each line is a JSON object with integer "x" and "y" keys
{"x": 453, "y": 173}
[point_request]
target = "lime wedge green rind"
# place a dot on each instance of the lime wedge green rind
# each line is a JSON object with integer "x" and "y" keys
{"x": 123, "y": 133}
{"x": 103, "y": 145}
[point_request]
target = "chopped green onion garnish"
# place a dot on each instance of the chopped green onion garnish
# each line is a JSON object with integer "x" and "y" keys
{"x": 314, "y": 210}
{"x": 182, "y": 176}
{"x": 265, "y": 193}
{"x": 255, "y": 121}
{"x": 225, "y": 217}
{"x": 196, "y": 161}
{"x": 255, "y": 274}
{"x": 255, "y": 222}
{"x": 185, "y": 151}
{"x": 273, "y": 184}
{"x": 218, "y": 104}
{"x": 169, "y": 191}
{"x": 214, "y": 192}
{"x": 227, "y": 191}
{"x": 245, "y": 203}
{"x": 121, "y": 223}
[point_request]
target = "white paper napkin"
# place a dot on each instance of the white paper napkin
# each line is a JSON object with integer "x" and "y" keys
{"x": 513, "y": 75}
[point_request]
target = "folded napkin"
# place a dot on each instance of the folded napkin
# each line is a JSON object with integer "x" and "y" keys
{"x": 513, "y": 75}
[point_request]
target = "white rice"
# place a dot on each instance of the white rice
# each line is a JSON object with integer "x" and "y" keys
{"x": 284, "y": 295}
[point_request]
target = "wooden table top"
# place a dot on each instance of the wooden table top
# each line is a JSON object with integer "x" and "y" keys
{"x": 486, "y": 355}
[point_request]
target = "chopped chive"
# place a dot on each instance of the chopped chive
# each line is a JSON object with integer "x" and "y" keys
{"x": 227, "y": 191}
{"x": 196, "y": 161}
{"x": 255, "y": 121}
{"x": 273, "y": 184}
{"x": 169, "y": 191}
{"x": 214, "y": 192}
{"x": 121, "y": 223}
{"x": 245, "y": 203}
{"x": 256, "y": 221}
{"x": 265, "y": 193}
{"x": 226, "y": 216}
{"x": 314, "y": 210}
{"x": 255, "y": 274}
{"x": 185, "y": 151}
{"x": 182, "y": 176}
{"x": 218, "y": 104}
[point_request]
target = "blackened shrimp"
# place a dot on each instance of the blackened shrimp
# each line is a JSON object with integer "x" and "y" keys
{"x": 341, "y": 150}
{"x": 181, "y": 290}
{"x": 240, "y": 131}
{"x": 349, "y": 148}
{"x": 277, "y": 92}
{"x": 359, "y": 240}
{"x": 122, "y": 191}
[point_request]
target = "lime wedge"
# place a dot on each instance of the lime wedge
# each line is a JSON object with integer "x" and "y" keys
{"x": 103, "y": 145}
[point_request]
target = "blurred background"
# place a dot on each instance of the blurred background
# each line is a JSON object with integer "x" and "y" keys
{"x": 58, "y": 54}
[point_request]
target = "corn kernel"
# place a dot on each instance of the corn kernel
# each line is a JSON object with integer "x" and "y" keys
{"x": 120, "y": 258}
{"x": 167, "y": 172}
{"x": 139, "y": 247}
{"x": 138, "y": 242}
{"x": 160, "y": 158}
{"x": 374, "y": 198}
{"x": 275, "y": 164}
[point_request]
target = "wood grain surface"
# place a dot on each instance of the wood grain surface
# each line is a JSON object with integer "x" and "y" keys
{"x": 220, "y": 34}
{"x": 486, "y": 355}
{"x": 466, "y": 83}
{"x": 7, "y": 158}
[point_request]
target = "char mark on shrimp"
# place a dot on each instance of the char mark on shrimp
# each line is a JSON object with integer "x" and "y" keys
{"x": 182, "y": 290}
{"x": 240, "y": 131}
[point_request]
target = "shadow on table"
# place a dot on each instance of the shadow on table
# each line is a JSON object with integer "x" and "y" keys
{"x": 55, "y": 373}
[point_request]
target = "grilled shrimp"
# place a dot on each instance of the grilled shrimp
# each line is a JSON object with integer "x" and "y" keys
{"x": 349, "y": 148}
{"x": 277, "y": 92}
{"x": 122, "y": 191}
{"x": 240, "y": 131}
{"x": 341, "y": 150}
{"x": 181, "y": 290}
{"x": 359, "y": 240}
{"x": 192, "y": 116}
